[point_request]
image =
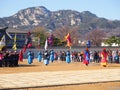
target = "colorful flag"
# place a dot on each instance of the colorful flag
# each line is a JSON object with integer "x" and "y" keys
{"x": 69, "y": 42}
{"x": 46, "y": 44}
{"x": 28, "y": 42}
{"x": 2, "y": 42}
{"x": 14, "y": 46}
{"x": 24, "y": 48}
{"x": 50, "y": 40}
{"x": 88, "y": 44}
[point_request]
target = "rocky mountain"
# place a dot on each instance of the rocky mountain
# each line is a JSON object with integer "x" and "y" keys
{"x": 29, "y": 18}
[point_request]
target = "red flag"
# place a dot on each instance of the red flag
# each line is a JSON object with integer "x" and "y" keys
{"x": 28, "y": 34}
{"x": 28, "y": 42}
{"x": 29, "y": 45}
{"x": 68, "y": 38}
{"x": 24, "y": 48}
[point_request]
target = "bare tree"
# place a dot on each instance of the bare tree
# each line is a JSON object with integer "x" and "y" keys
{"x": 39, "y": 30}
{"x": 63, "y": 31}
{"x": 96, "y": 36}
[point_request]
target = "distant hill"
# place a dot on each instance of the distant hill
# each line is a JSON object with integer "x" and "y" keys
{"x": 29, "y": 18}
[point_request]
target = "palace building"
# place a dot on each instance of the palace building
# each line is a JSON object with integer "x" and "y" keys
{"x": 9, "y": 36}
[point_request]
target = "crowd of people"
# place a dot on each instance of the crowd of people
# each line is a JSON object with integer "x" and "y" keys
{"x": 11, "y": 59}
{"x": 104, "y": 56}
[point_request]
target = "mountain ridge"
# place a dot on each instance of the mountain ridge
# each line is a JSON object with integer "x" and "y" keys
{"x": 29, "y": 18}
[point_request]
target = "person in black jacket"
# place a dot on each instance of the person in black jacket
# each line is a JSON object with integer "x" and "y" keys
{"x": 1, "y": 58}
{"x": 46, "y": 57}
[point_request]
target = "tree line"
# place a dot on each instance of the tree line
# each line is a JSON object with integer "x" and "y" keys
{"x": 96, "y": 36}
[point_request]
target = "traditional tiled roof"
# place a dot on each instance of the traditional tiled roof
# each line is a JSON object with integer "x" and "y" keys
{"x": 9, "y": 30}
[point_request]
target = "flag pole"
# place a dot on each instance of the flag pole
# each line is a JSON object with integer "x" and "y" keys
{"x": 46, "y": 44}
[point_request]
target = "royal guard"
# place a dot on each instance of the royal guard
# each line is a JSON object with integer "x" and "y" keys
{"x": 21, "y": 56}
{"x": 39, "y": 56}
{"x": 46, "y": 57}
{"x": 52, "y": 55}
{"x": 86, "y": 57}
{"x": 116, "y": 58}
{"x": 30, "y": 57}
{"x": 104, "y": 57}
{"x": 68, "y": 60}
{"x": 16, "y": 58}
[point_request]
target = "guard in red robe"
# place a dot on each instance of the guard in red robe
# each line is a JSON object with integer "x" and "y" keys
{"x": 104, "y": 57}
{"x": 21, "y": 55}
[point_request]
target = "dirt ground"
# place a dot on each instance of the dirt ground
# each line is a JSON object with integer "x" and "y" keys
{"x": 62, "y": 66}
{"x": 96, "y": 86}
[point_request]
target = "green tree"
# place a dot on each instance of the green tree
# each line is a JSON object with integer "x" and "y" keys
{"x": 57, "y": 41}
{"x": 112, "y": 40}
{"x": 118, "y": 41}
{"x": 40, "y": 34}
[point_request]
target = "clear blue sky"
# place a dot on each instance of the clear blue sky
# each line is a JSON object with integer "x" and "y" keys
{"x": 109, "y": 9}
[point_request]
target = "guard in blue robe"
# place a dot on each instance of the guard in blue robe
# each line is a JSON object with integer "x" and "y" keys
{"x": 86, "y": 57}
{"x": 116, "y": 58}
{"x": 39, "y": 56}
{"x": 46, "y": 58}
{"x": 52, "y": 55}
{"x": 30, "y": 57}
{"x": 68, "y": 60}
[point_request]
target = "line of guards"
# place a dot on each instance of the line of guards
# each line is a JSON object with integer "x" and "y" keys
{"x": 103, "y": 56}
{"x": 47, "y": 56}
{"x": 10, "y": 59}
{"x": 87, "y": 56}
